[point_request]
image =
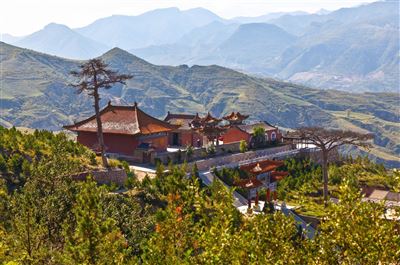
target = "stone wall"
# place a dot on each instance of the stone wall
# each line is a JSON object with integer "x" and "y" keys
{"x": 107, "y": 177}
{"x": 198, "y": 153}
{"x": 315, "y": 155}
{"x": 237, "y": 158}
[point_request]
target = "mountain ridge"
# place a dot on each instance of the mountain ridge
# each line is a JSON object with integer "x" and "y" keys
{"x": 58, "y": 39}
{"x": 36, "y": 94}
{"x": 350, "y": 49}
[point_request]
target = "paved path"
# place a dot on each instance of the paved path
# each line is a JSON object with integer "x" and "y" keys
{"x": 239, "y": 201}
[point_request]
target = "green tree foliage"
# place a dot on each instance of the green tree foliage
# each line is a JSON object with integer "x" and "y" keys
{"x": 243, "y": 146}
{"x": 19, "y": 151}
{"x": 304, "y": 176}
{"x": 172, "y": 219}
{"x": 356, "y": 232}
{"x": 95, "y": 239}
{"x": 26, "y": 241}
{"x": 258, "y": 137}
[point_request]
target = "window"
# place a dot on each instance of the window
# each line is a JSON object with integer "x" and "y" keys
{"x": 273, "y": 136}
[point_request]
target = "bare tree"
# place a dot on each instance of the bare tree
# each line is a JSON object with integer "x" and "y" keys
{"x": 327, "y": 140}
{"x": 93, "y": 75}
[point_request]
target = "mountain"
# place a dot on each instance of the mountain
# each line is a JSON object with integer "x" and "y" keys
{"x": 354, "y": 49}
{"x": 157, "y": 27}
{"x": 9, "y": 38}
{"x": 62, "y": 41}
{"x": 267, "y": 17}
{"x": 337, "y": 59}
{"x": 192, "y": 45}
{"x": 253, "y": 47}
{"x": 322, "y": 11}
{"x": 35, "y": 94}
{"x": 351, "y": 49}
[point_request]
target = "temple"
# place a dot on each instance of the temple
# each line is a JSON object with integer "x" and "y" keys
{"x": 266, "y": 175}
{"x": 235, "y": 118}
{"x": 126, "y": 129}
{"x": 238, "y": 132}
{"x": 209, "y": 127}
{"x": 183, "y": 135}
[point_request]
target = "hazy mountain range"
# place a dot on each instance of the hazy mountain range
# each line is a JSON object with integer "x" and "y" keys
{"x": 352, "y": 49}
{"x": 35, "y": 94}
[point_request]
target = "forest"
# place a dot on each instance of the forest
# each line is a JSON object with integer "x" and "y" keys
{"x": 48, "y": 218}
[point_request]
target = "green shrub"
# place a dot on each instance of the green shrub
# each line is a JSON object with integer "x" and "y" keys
{"x": 211, "y": 150}
{"x": 3, "y": 164}
{"x": 243, "y": 146}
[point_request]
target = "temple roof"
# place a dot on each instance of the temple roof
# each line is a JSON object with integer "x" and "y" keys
{"x": 262, "y": 166}
{"x": 249, "y": 183}
{"x": 209, "y": 119}
{"x": 123, "y": 120}
{"x": 278, "y": 175}
{"x": 196, "y": 122}
{"x": 235, "y": 117}
{"x": 181, "y": 120}
{"x": 248, "y": 128}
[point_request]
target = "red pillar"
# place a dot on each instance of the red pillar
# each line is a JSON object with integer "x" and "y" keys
{"x": 267, "y": 196}
{"x": 249, "y": 199}
{"x": 256, "y": 198}
{"x": 275, "y": 195}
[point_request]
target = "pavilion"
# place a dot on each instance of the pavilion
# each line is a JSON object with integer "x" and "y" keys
{"x": 266, "y": 172}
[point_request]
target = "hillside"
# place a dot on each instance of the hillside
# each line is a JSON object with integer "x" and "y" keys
{"x": 35, "y": 94}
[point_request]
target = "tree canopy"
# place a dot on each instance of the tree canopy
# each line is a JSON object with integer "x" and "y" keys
{"x": 327, "y": 140}
{"x": 171, "y": 219}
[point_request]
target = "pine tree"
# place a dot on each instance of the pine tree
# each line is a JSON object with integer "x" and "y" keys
{"x": 94, "y": 239}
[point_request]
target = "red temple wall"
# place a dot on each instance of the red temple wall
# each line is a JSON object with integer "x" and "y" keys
{"x": 277, "y": 133}
{"x": 159, "y": 143}
{"x": 120, "y": 143}
{"x": 115, "y": 143}
{"x": 233, "y": 135}
{"x": 236, "y": 135}
{"x": 185, "y": 138}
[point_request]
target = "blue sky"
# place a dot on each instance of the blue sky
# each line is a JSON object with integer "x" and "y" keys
{"x": 21, "y": 17}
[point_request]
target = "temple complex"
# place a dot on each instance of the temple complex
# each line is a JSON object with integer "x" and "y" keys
{"x": 132, "y": 134}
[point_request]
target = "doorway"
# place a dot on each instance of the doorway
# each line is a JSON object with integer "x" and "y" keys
{"x": 175, "y": 139}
